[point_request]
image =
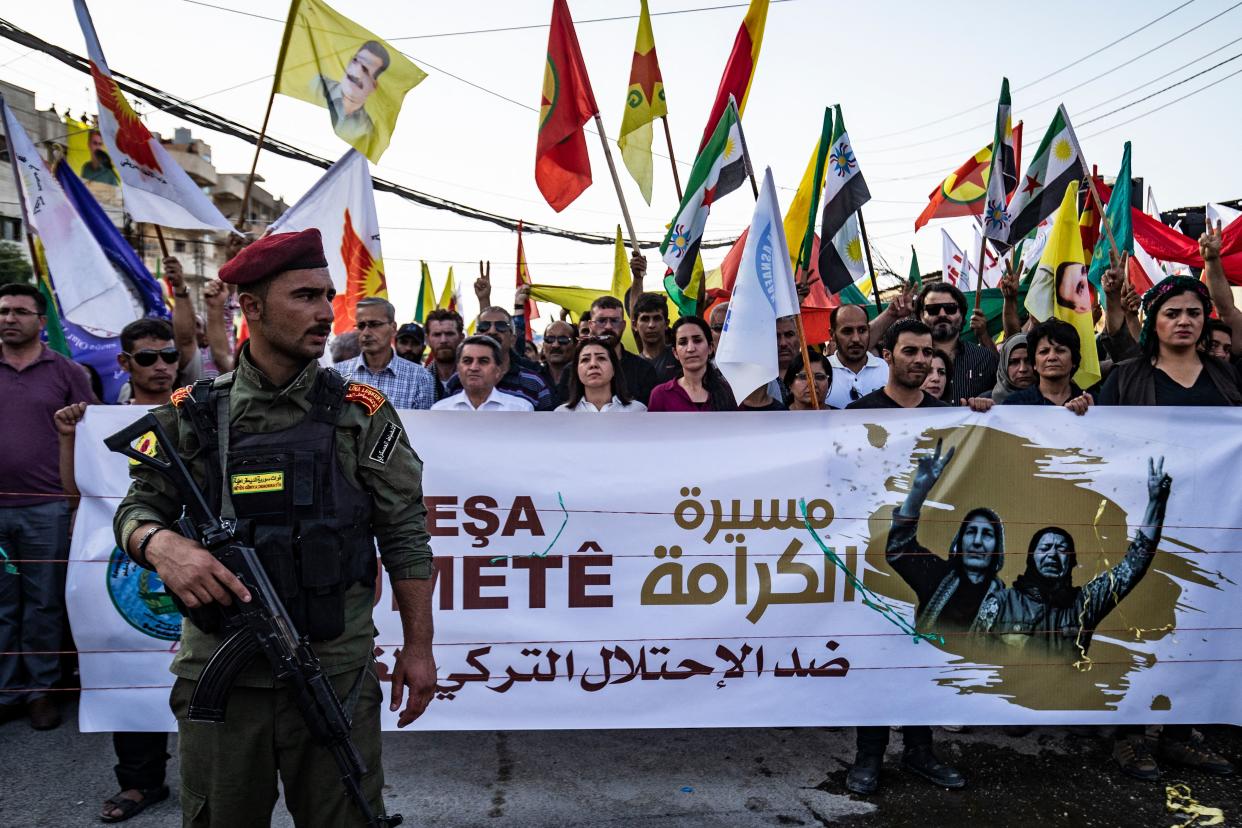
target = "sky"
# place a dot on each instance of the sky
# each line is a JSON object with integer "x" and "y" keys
{"x": 917, "y": 83}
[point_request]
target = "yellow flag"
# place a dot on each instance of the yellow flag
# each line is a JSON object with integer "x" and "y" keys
{"x": 329, "y": 60}
{"x": 621, "y": 277}
{"x": 1059, "y": 288}
{"x": 426, "y": 296}
{"x": 643, "y": 104}
{"x": 799, "y": 212}
{"x": 448, "y": 297}
{"x": 86, "y": 154}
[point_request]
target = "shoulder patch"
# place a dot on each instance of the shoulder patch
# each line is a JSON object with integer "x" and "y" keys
{"x": 387, "y": 441}
{"x": 179, "y": 396}
{"x": 371, "y": 398}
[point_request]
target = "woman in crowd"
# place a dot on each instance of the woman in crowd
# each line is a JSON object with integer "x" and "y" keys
{"x": 1015, "y": 370}
{"x": 597, "y": 384}
{"x": 938, "y": 377}
{"x": 799, "y": 386}
{"x": 701, "y": 386}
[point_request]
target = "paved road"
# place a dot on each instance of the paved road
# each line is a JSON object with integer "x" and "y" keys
{"x": 656, "y": 778}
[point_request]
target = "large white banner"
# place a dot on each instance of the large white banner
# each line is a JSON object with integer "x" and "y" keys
{"x": 657, "y": 571}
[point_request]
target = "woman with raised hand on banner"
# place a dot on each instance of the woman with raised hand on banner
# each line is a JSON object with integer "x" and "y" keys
{"x": 700, "y": 386}
{"x": 596, "y": 383}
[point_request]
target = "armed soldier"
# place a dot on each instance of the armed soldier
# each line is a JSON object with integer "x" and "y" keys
{"x": 311, "y": 471}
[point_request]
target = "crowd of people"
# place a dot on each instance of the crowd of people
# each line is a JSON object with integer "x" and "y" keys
{"x": 1178, "y": 344}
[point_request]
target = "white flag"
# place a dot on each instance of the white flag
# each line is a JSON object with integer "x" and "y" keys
{"x": 993, "y": 268}
{"x": 764, "y": 292}
{"x": 953, "y": 261}
{"x": 156, "y": 188}
{"x": 86, "y": 284}
{"x": 1219, "y": 213}
{"x": 342, "y": 206}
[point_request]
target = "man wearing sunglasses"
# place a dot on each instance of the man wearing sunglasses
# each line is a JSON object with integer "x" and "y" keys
{"x": 149, "y": 355}
{"x": 406, "y": 384}
{"x": 559, "y": 339}
{"x": 942, "y": 307}
{"x": 519, "y": 376}
{"x": 35, "y": 382}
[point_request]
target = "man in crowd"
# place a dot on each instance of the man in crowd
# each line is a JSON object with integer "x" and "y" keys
{"x": 607, "y": 324}
{"x": 35, "y": 383}
{"x": 203, "y": 340}
{"x": 856, "y": 371}
{"x": 716, "y": 321}
{"x": 149, "y": 356}
{"x": 1220, "y": 340}
{"x": 942, "y": 307}
{"x": 515, "y": 378}
{"x": 480, "y": 368}
{"x": 651, "y": 331}
{"x": 411, "y": 342}
{"x": 406, "y": 384}
{"x": 559, "y": 339}
{"x": 445, "y": 331}
{"x": 277, "y": 397}
{"x": 1057, "y": 352}
{"x": 908, "y": 351}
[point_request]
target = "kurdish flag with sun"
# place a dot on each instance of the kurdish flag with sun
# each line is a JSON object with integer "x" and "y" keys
{"x": 1056, "y": 164}
{"x": 718, "y": 170}
{"x": 845, "y": 192}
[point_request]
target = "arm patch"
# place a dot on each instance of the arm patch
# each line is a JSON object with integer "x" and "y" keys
{"x": 179, "y": 396}
{"x": 371, "y": 398}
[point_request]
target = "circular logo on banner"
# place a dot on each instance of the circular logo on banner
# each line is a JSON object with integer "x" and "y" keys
{"x": 139, "y": 596}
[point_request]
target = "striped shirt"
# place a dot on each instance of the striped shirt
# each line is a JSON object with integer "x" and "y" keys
{"x": 974, "y": 371}
{"x": 406, "y": 384}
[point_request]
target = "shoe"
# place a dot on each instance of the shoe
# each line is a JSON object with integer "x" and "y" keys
{"x": 922, "y": 761}
{"x": 1193, "y": 754}
{"x": 1133, "y": 756}
{"x": 864, "y": 775}
{"x": 43, "y": 714}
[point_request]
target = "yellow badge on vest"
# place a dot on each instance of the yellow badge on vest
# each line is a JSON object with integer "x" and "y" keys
{"x": 258, "y": 482}
{"x": 372, "y": 399}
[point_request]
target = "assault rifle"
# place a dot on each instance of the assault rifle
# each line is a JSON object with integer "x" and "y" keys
{"x": 261, "y": 625}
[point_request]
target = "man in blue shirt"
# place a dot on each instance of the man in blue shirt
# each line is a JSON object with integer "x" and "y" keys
{"x": 406, "y": 384}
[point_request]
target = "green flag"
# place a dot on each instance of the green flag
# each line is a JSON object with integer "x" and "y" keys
{"x": 916, "y": 278}
{"x": 54, "y": 331}
{"x": 1116, "y": 219}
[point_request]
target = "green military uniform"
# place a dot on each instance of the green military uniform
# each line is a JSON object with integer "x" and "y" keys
{"x": 229, "y": 770}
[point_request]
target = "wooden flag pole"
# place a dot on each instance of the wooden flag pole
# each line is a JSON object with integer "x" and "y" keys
{"x": 806, "y": 361}
{"x": 1108, "y": 228}
{"x": 159, "y": 234}
{"x": 258, "y": 148}
{"x": 668, "y": 138}
{"x": 866, "y": 243}
{"x": 616, "y": 183}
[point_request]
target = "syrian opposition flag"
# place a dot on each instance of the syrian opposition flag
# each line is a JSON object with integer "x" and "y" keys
{"x": 1057, "y": 162}
{"x": 562, "y": 166}
{"x": 1004, "y": 171}
{"x": 156, "y": 188}
{"x": 763, "y": 292}
{"x": 718, "y": 170}
{"x": 86, "y": 284}
{"x": 342, "y": 205}
{"x": 845, "y": 192}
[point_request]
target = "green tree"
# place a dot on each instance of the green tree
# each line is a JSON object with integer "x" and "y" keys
{"x": 13, "y": 264}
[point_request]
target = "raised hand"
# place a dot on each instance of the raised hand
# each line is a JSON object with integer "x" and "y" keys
{"x": 483, "y": 285}
{"x": 1158, "y": 483}
{"x": 929, "y": 468}
{"x": 1009, "y": 281}
{"x": 1115, "y": 276}
{"x": 67, "y": 418}
{"x": 1209, "y": 243}
{"x": 173, "y": 272}
{"x": 215, "y": 294}
{"x": 638, "y": 265}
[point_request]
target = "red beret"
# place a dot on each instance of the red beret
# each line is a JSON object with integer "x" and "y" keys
{"x": 275, "y": 254}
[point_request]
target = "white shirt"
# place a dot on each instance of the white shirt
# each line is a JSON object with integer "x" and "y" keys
{"x": 848, "y": 386}
{"x": 496, "y": 401}
{"x": 614, "y": 406}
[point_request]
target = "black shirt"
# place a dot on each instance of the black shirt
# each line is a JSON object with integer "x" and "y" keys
{"x": 974, "y": 371}
{"x": 1032, "y": 396}
{"x": 1203, "y": 392}
{"x": 640, "y": 377}
{"x": 773, "y": 405}
{"x": 878, "y": 399}
{"x": 665, "y": 365}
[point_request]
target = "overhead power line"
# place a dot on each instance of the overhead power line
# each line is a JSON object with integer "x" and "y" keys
{"x": 199, "y": 116}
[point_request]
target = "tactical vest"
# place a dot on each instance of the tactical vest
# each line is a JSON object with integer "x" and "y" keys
{"x": 308, "y": 523}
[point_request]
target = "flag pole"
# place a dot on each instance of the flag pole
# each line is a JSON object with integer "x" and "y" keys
{"x": 806, "y": 360}
{"x": 668, "y": 138}
{"x": 875, "y": 277}
{"x": 1095, "y": 197}
{"x": 267, "y": 114}
{"x": 750, "y": 170}
{"x": 21, "y": 198}
{"x": 616, "y": 183}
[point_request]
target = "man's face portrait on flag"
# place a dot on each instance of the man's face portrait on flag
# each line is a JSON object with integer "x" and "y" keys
{"x": 362, "y": 75}
{"x": 1073, "y": 290}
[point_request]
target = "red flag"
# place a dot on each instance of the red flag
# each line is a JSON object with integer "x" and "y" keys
{"x": 740, "y": 67}
{"x": 1168, "y": 245}
{"x": 965, "y": 189}
{"x": 562, "y": 167}
{"x": 523, "y": 278}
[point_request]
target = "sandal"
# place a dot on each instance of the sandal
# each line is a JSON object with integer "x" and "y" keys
{"x": 132, "y": 807}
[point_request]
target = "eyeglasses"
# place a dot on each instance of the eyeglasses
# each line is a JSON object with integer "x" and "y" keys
{"x": 945, "y": 308}
{"x": 608, "y": 322}
{"x": 557, "y": 340}
{"x": 498, "y": 327}
{"x": 820, "y": 378}
{"x": 717, "y": 328}
{"x": 20, "y": 313}
{"x": 147, "y": 356}
{"x": 371, "y": 325}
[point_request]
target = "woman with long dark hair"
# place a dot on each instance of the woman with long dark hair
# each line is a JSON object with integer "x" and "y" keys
{"x": 596, "y": 382}
{"x": 700, "y": 386}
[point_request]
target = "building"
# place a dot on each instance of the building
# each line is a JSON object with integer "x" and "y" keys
{"x": 201, "y": 252}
